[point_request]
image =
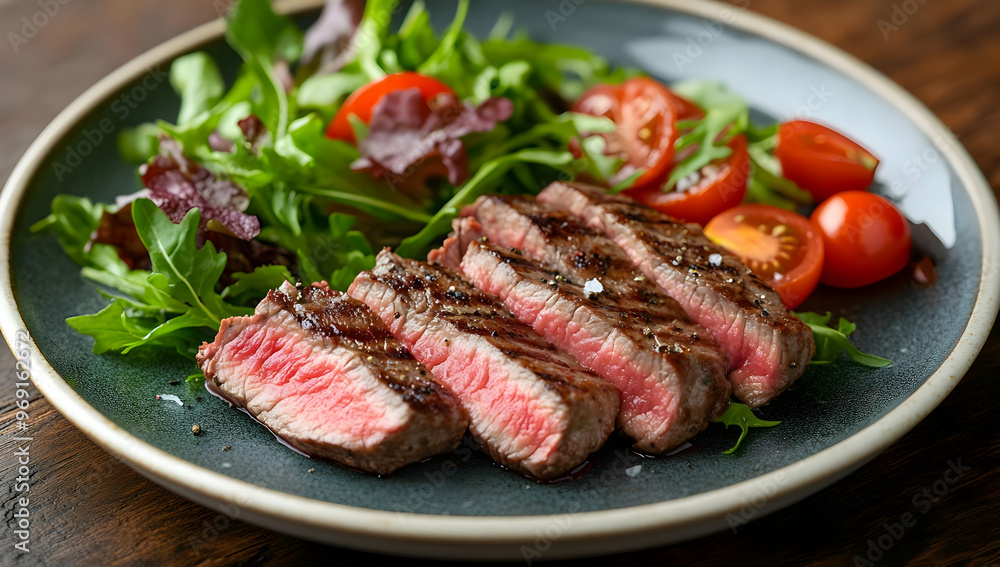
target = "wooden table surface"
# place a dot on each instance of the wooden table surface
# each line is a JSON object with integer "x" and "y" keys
{"x": 89, "y": 509}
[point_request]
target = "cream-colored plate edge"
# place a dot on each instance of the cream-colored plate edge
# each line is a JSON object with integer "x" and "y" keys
{"x": 496, "y": 537}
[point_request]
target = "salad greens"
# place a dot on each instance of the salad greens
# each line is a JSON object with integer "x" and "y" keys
{"x": 300, "y": 184}
{"x": 743, "y": 417}
{"x": 830, "y": 341}
{"x": 726, "y": 116}
{"x": 172, "y": 268}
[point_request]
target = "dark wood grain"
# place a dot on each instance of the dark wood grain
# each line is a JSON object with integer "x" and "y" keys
{"x": 87, "y": 508}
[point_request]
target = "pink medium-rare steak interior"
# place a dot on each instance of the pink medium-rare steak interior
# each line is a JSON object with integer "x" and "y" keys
{"x": 767, "y": 347}
{"x": 670, "y": 389}
{"x": 322, "y": 372}
{"x": 532, "y": 407}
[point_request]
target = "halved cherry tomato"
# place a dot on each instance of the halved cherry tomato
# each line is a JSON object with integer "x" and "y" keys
{"x": 781, "y": 247}
{"x": 684, "y": 109}
{"x": 823, "y": 161}
{"x": 720, "y": 185}
{"x": 643, "y": 111}
{"x": 363, "y": 101}
{"x": 866, "y": 239}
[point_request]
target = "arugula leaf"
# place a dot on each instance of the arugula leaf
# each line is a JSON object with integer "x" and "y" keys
{"x": 726, "y": 115}
{"x": 187, "y": 272}
{"x": 73, "y": 220}
{"x": 175, "y": 304}
{"x": 766, "y": 172}
{"x": 416, "y": 37}
{"x": 149, "y": 292}
{"x": 120, "y": 327}
{"x": 263, "y": 38}
{"x": 741, "y": 416}
{"x": 251, "y": 287}
{"x": 830, "y": 341}
{"x": 372, "y": 34}
{"x": 196, "y": 78}
{"x": 448, "y": 62}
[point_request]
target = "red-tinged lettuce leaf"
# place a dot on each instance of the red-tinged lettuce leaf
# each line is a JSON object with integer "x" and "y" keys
{"x": 118, "y": 230}
{"x": 253, "y": 130}
{"x": 328, "y": 41}
{"x": 405, "y": 130}
{"x": 177, "y": 185}
{"x": 217, "y": 143}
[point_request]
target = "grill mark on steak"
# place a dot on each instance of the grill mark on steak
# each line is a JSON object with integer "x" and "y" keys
{"x": 324, "y": 374}
{"x": 533, "y": 408}
{"x": 768, "y": 348}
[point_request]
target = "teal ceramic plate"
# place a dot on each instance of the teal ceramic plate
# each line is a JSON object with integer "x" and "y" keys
{"x": 460, "y": 505}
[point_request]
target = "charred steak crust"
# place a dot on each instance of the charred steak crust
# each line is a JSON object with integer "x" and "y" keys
{"x": 768, "y": 347}
{"x": 508, "y": 378}
{"x": 672, "y": 380}
{"x": 322, "y": 372}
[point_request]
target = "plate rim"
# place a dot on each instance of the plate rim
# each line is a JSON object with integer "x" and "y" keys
{"x": 486, "y": 536}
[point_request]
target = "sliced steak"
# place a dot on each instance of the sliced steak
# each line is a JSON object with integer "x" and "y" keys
{"x": 463, "y": 231}
{"x": 768, "y": 348}
{"x": 672, "y": 381}
{"x": 324, "y": 374}
{"x": 637, "y": 337}
{"x": 533, "y": 408}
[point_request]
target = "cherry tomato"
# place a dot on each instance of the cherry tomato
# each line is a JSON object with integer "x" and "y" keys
{"x": 684, "y": 109}
{"x": 643, "y": 111}
{"x": 865, "y": 237}
{"x": 781, "y": 247}
{"x": 363, "y": 101}
{"x": 720, "y": 185}
{"x": 823, "y": 161}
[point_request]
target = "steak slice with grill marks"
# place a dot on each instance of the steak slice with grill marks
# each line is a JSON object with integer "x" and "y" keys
{"x": 532, "y": 407}
{"x": 768, "y": 348}
{"x": 669, "y": 371}
{"x": 325, "y": 375}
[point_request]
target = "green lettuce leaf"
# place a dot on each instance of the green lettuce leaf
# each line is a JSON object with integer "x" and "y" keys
{"x": 831, "y": 341}
{"x": 743, "y": 417}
